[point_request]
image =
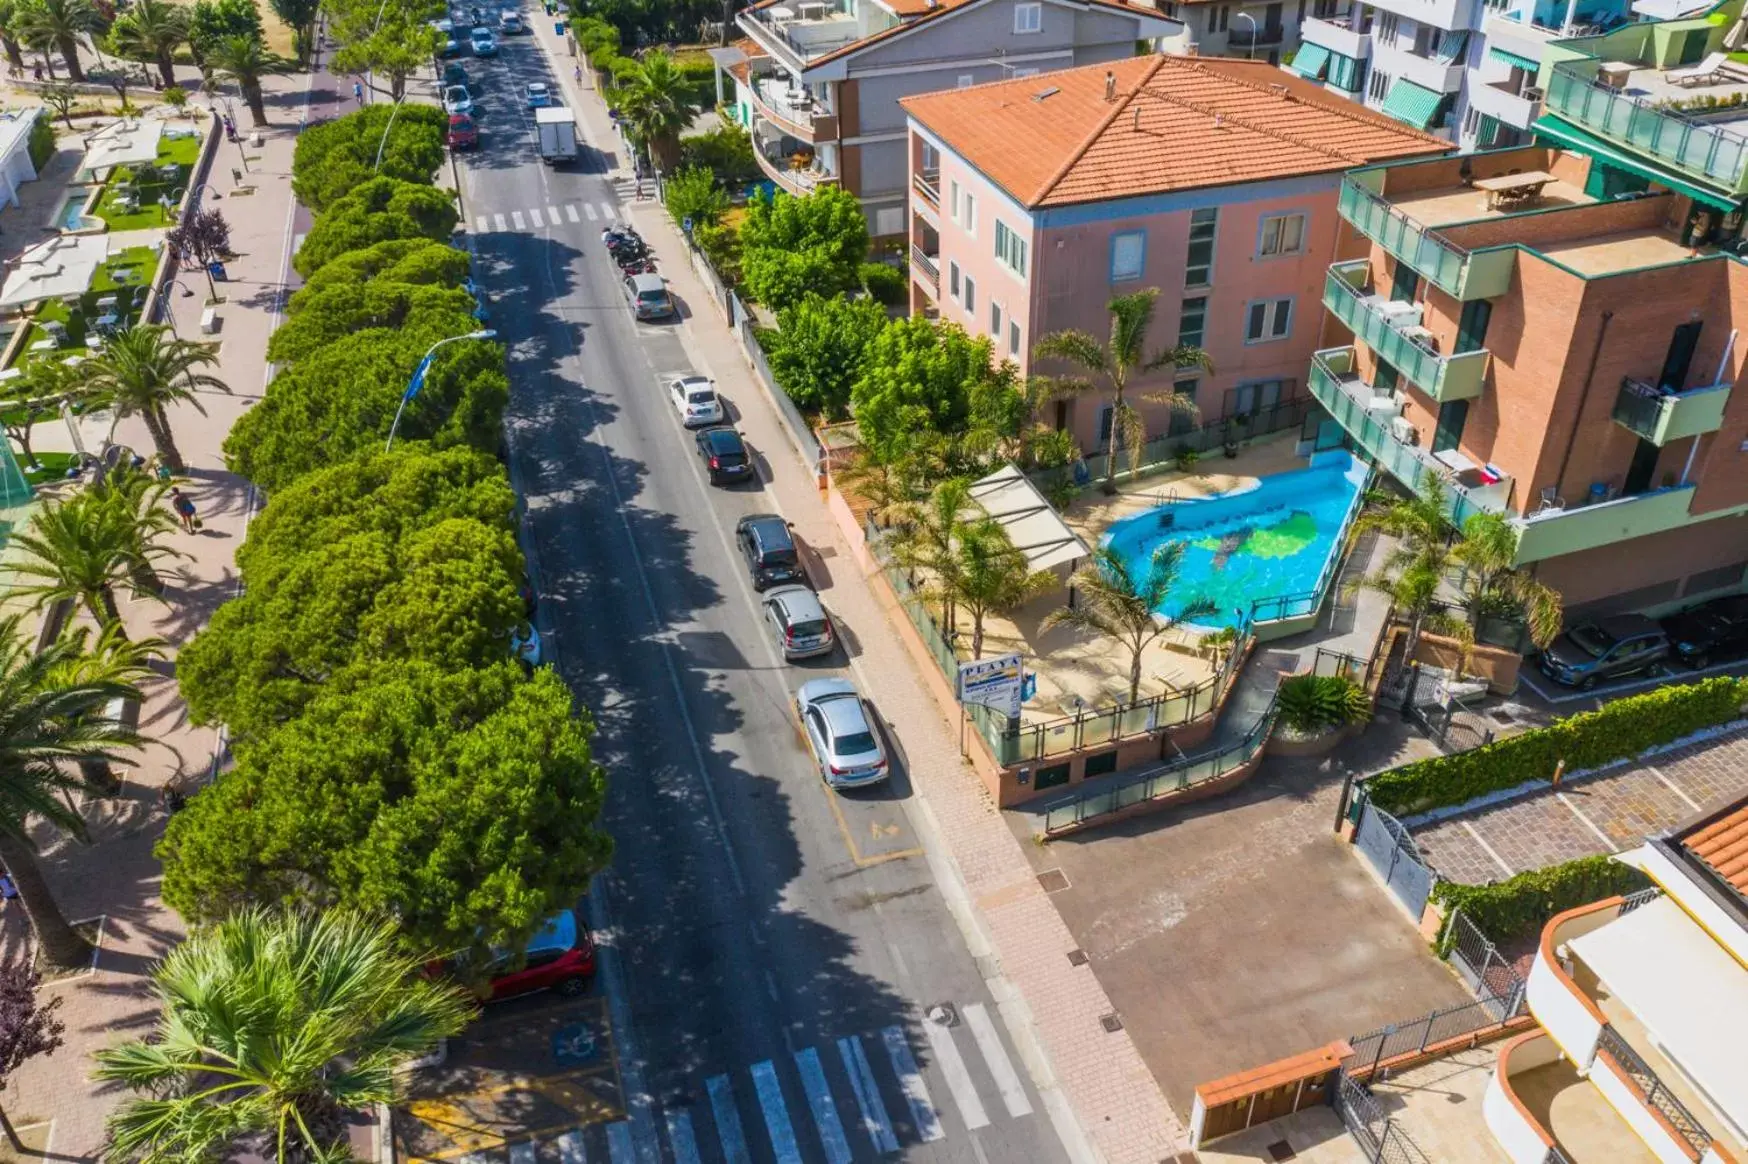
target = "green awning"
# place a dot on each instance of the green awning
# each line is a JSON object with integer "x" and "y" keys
{"x": 1488, "y": 132}
{"x": 1596, "y": 147}
{"x": 1528, "y": 64}
{"x": 1310, "y": 61}
{"x": 1414, "y": 104}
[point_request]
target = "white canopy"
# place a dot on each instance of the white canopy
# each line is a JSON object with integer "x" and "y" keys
{"x": 123, "y": 143}
{"x": 1033, "y": 524}
{"x": 1690, "y": 995}
{"x": 1668, "y": 9}
{"x": 56, "y": 268}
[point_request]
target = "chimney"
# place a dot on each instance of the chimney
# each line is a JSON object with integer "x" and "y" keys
{"x": 1219, "y": 121}
{"x": 1138, "y": 119}
{"x": 1110, "y": 86}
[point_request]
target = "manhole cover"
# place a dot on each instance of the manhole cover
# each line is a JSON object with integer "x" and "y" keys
{"x": 1281, "y": 1150}
{"x": 1503, "y": 716}
{"x": 1077, "y": 958}
{"x": 1111, "y": 1023}
{"x": 942, "y": 1014}
{"x": 1053, "y": 880}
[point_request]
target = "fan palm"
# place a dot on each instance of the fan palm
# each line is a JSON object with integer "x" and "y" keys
{"x": 882, "y": 488}
{"x": 274, "y": 1025}
{"x": 1116, "y": 600}
{"x": 992, "y": 575}
{"x": 78, "y": 550}
{"x": 1108, "y": 367}
{"x": 1490, "y": 584}
{"x": 655, "y": 102}
{"x": 244, "y": 59}
{"x": 9, "y": 33}
{"x": 52, "y": 707}
{"x": 152, "y": 30}
{"x": 144, "y": 370}
{"x": 58, "y": 24}
{"x": 138, "y": 499}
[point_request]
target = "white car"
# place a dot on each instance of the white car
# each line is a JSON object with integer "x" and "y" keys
{"x": 696, "y": 398}
{"x": 456, "y": 99}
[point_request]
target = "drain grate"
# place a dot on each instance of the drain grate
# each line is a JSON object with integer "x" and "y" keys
{"x": 1053, "y": 880}
{"x": 1111, "y": 1023}
{"x": 1281, "y": 1150}
{"x": 1077, "y": 958}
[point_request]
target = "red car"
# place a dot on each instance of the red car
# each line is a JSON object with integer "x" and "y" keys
{"x": 462, "y": 134}
{"x": 560, "y": 957}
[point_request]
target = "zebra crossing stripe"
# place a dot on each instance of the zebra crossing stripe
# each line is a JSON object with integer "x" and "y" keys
{"x": 734, "y": 1144}
{"x": 589, "y": 209}
{"x": 552, "y": 213}
{"x": 619, "y": 1147}
{"x": 570, "y": 1149}
{"x": 685, "y": 1147}
{"x": 922, "y": 1108}
{"x": 482, "y": 225}
{"x": 1007, "y": 1080}
{"x": 776, "y": 1115}
{"x": 948, "y": 1062}
{"x": 825, "y": 1110}
{"x": 516, "y": 217}
{"x": 522, "y": 1153}
{"x": 570, "y": 211}
{"x": 534, "y": 213}
{"x": 607, "y": 209}
{"x": 498, "y": 222}
{"x": 874, "y": 1118}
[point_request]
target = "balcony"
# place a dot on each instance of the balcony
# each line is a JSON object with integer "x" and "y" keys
{"x": 1449, "y": 15}
{"x": 799, "y": 32}
{"x": 795, "y": 113}
{"x": 1710, "y": 152}
{"x": 796, "y": 170}
{"x": 1242, "y": 35}
{"x": 926, "y": 269}
{"x": 928, "y": 184}
{"x": 1507, "y": 103}
{"x": 1439, "y": 74}
{"x": 1391, "y": 329}
{"x": 1339, "y": 35}
{"x": 1457, "y": 271}
{"x": 1660, "y": 415}
{"x": 1542, "y": 1111}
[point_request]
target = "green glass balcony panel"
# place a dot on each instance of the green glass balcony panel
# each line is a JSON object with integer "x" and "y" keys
{"x": 1444, "y": 378}
{"x": 1661, "y": 417}
{"x": 1459, "y": 273}
{"x": 1707, "y": 153}
{"x": 1570, "y": 531}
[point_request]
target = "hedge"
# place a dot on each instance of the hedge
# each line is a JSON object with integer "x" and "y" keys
{"x": 1591, "y": 739}
{"x": 1517, "y": 908}
{"x": 42, "y": 141}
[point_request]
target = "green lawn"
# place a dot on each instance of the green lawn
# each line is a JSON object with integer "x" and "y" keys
{"x": 182, "y": 151}
{"x": 54, "y": 467}
{"x": 141, "y": 260}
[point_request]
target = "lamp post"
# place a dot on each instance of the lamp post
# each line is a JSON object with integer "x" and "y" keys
{"x": 418, "y": 380}
{"x": 1247, "y": 16}
{"x": 383, "y": 144}
{"x": 169, "y": 314}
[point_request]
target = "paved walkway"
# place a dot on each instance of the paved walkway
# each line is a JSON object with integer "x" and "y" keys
{"x": 116, "y": 876}
{"x": 1604, "y": 814}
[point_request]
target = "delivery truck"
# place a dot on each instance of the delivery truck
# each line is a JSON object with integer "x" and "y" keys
{"x": 556, "y": 130}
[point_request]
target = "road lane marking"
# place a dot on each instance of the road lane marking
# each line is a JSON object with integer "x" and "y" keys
{"x": 1007, "y": 1080}
{"x": 516, "y": 217}
{"x": 534, "y": 213}
{"x": 734, "y": 1143}
{"x": 552, "y": 213}
{"x": 910, "y": 1080}
{"x": 570, "y": 1149}
{"x": 874, "y": 1118}
{"x": 619, "y": 1146}
{"x": 499, "y": 223}
{"x": 522, "y": 1153}
{"x": 949, "y": 1064}
{"x": 589, "y": 209}
{"x": 825, "y": 1110}
{"x": 776, "y": 1115}
{"x": 482, "y": 224}
{"x": 570, "y": 211}
{"x": 680, "y": 1139}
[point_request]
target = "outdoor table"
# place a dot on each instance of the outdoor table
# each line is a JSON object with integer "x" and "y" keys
{"x": 1511, "y": 189}
{"x": 782, "y": 12}
{"x": 44, "y": 345}
{"x": 105, "y": 322}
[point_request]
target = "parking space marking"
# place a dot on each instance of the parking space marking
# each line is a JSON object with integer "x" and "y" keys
{"x": 825, "y": 1111}
{"x": 910, "y": 1081}
{"x": 875, "y": 1121}
{"x": 1673, "y": 787}
{"x": 776, "y": 1115}
{"x": 857, "y": 858}
{"x": 1608, "y": 843}
{"x": 1007, "y": 1080}
{"x": 734, "y": 1143}
{"x": 1488, "y": 849}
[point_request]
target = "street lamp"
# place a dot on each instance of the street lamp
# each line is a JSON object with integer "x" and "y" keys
{"x": 171, "y": 315}
{"x": 1247, "y": 16}
{"x": 418, "y": 380}
{"x": 383, "y": 144}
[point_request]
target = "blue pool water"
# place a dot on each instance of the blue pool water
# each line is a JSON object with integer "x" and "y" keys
{"x": 74, "y": 208}
{"x": 1268, "y": 541}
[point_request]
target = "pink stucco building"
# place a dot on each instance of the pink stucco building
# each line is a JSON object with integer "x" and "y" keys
{"x": 1036, "y": 200}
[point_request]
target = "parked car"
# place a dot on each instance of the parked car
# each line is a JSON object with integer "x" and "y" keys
{"x": 1712, "y": 630}
{"x": 695, "y": 397}
{"x": 454, "y": 74}
{"x": 450, "y": 46}
{"x": 802, "y": 627}
{"x": 1610, "y": 648}
{"x": 456, "y": 99}
{"x": 844, "y": 743}
{"x": 462, "y": 134}
{"x": 510, "y": 22}
{"x": 484, "y": 43}
{"x": 724, "y": 455}
{"x": 560, "y": 957}
{"x": 769, "y": 549}
{"x": 648, "y": 296}
{"x": 539, "y": 96}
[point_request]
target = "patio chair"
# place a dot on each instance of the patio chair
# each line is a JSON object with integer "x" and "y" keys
{"x": 1704, "y": 73}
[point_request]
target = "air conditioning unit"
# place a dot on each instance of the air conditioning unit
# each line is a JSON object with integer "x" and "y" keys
{"x": 1532, "y": 94}
{"x": 1403, "y": 430}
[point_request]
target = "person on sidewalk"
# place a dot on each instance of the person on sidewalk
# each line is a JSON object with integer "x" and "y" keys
{"x": 184, "y": 510}
{"x": 358, "y": 92}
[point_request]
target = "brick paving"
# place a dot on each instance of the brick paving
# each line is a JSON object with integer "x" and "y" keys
{"x": 116, "y": 876}
{"x": 1603, "y": 814}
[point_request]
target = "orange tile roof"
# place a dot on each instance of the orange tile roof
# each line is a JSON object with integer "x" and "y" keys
{"x": 1723, "y": 847}
{"x": 1175, "y": 123}
{"x": 749, "y": 47}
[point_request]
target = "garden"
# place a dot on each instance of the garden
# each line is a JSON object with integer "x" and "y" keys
{"x": 117, "y": 294}
{"x": 145, "y": 197}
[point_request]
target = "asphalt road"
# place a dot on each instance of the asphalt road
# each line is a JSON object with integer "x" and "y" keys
{"x": 771, "y": 947}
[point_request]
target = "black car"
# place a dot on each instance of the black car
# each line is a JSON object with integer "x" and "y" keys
{"x": 1711, "y": 630}
{"x": 1610, "y": 648}
{"x": 769, "y": 549}
{"x": 724, "y": 455}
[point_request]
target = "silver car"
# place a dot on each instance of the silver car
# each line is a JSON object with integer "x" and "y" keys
{"x": 802, "y": 627}
{"x": 844, "y": 743}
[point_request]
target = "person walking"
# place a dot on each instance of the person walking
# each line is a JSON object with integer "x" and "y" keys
{"x": 358, "y": 92}
{"x": 184, "y": 510}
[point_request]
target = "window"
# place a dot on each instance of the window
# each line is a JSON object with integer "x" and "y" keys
{"x": 1106, "y": 417}
{"x": 953, "y": 279}
{"x": 953, "y": 200}
{"x": 1028, "y": 18}
{"x": 964, "y": 210}
{"x": 1192, "y": 322}
{"x": 966, "y": 80}
{"x": 995, "y": 319}
{"x": 1378, "y": 87}
{"x": 1219, "y": 16}
{"x": 970, "y": 294}
{"x": 1257, "y": 396}
{"x": 1282, "y": 234}
{"x": 1128, "y": 255}
{"x": 889, "y": 220}
{"x": 1010, "y": 248}
{"x": 1199, "y": 264}
{"x": 1185, "y": 414}
{"x": 1013, "y": 338}
{"x": 1387, "y": 28}
{"x": 1471, "y": 119}
{"x": 1267, "y": 319}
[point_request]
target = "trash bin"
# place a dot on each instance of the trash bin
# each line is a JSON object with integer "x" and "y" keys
{"x": 217, "y": 270}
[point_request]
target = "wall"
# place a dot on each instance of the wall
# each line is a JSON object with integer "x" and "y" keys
{"x": 1654, "y": 570}
{"x": 975, "y": 255}
{"x": 1495, "y": 664}
{"x": 1521, "y": 1136}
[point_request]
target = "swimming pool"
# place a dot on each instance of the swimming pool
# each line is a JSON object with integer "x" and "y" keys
{"x": 1271, "y": 540}
{"x": 74, "y": 209}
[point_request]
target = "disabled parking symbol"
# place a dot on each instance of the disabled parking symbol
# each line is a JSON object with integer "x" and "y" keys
{"x": 574, "y": 1045}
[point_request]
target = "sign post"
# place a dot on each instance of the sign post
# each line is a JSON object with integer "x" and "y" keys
{"x": 995, "y": 682}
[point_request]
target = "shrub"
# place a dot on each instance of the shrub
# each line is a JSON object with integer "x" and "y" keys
{"x": 1616, "y": 731}
{"x": 1184, "y": 458}
{"x": 726, "y": 151}
{"x": 693, "y": 193}
{"x": 42, "y": 141}
{"x": 1519, "y": 907}
{"x": 1310, "y": 703}
{"x": 887, "y": 284}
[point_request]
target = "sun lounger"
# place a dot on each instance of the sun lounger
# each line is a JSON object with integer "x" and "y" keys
{"x": 1704, "y": 73}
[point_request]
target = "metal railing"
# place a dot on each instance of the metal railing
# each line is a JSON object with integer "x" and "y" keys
{"x": 928, "y": 184}
{"x": 1424, "y": 249}
{"x": 1257, "y": 37}
{"x": 1381, "y": 1139}
{"x": 1653, "y": 1092}
{"x": 928, "y": 264}
{"x": 1414, "y": 357}
{"x": 1413, "y": 1037}
{"x": 1198, "y": 438}
{"x": 1640, "y": 897}
{"x": 1670, "y": 135}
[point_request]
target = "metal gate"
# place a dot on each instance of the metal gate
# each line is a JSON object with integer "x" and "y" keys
{"x": 1391, "y": 851}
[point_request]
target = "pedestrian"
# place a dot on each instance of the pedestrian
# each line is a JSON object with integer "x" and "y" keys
{"x": 184, "y": 510}
{"x": 36, "y": 71}
{"x": 358, "y": 92}
{"x": 577, "y": 73}
{"x": 8, "y": 890}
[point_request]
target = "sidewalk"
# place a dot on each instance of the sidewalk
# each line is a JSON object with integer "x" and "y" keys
{"x": 116, "y": 877}
{"x": 1018, "y": 937}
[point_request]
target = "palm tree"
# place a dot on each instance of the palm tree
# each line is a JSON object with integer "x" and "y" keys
{"x": 992, "y": 575}
{"x": 1108, "y": 367}
{"x": 654, "y": 102}
{"x": 9, "y": 33}
{"x": 152, "y": 30}
{"x": 274, "y": 1026}
{"x": 883, "y": 488}
{"x": 1116, "y": 601}
{"x": 58, "y": 24}
{"x": 244, "y": 59}
{"x": 1419, "y": 520}
{"x": 1490, "y": 584}
{"x": 81, "y": 550}
{"x": 52, "y": 707}
{"x": 1414, "y": 571}
{"x": 929, "y": 530}
{"x": 138, "y": 500}
{"x": 144, "y": 370}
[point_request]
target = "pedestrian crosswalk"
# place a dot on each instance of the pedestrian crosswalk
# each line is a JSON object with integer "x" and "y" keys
{"x": 855, "y": 1098}
{"x": 548, "y": 217}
